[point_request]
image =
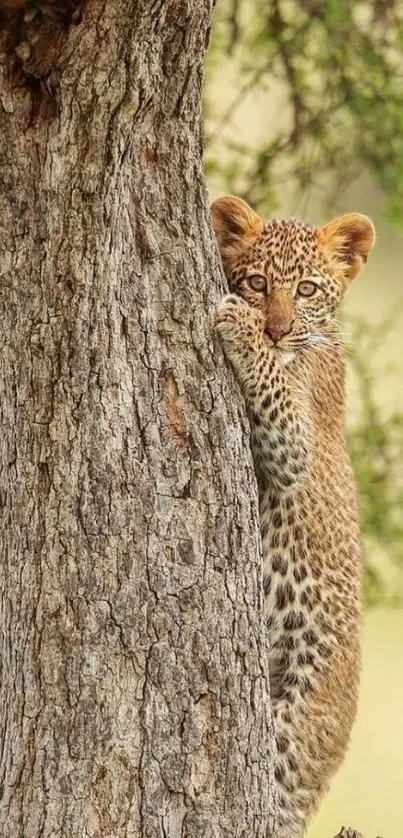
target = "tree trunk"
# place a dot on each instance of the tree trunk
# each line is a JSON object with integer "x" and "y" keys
{"x": 134, "y": 691}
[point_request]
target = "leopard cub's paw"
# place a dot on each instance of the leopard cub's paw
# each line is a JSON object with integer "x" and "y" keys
{"x": 236, "y": 321}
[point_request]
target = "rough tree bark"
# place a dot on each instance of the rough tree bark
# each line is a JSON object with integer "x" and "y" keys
{"x": 134, "y": 693}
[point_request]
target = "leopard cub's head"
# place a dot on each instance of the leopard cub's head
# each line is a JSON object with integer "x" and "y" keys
{"x": 295, "y": 274}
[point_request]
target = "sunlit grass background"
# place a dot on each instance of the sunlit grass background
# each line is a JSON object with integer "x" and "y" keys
{"x": 304, "y": 117}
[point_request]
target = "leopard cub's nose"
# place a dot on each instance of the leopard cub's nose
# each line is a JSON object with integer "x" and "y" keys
{"x": 276, "y": 331}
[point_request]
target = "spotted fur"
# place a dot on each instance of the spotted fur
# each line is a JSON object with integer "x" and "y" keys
{"x": 287, "y": 354}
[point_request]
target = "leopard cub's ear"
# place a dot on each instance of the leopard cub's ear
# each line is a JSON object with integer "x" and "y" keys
{"x": 347, "y": 241}
{"x": 236, "y": 226}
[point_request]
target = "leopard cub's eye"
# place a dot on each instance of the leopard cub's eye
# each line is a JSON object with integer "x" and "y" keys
{"x": 257, "y": 282}
{"x": 306, "y": 288}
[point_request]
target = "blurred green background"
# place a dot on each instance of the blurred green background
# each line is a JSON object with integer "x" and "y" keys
{"x": 304, "y": 117}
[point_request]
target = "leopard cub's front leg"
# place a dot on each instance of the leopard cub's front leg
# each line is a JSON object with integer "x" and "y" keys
{"x": 241, "y": 331}
{"x": 281, "y": 432}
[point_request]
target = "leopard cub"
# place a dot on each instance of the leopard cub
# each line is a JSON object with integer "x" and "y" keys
{"x": 278, "y": 329}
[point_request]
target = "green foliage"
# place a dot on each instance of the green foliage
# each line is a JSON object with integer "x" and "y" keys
{"x": 339, "y": 67}
{"x": 376, "y": 446}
